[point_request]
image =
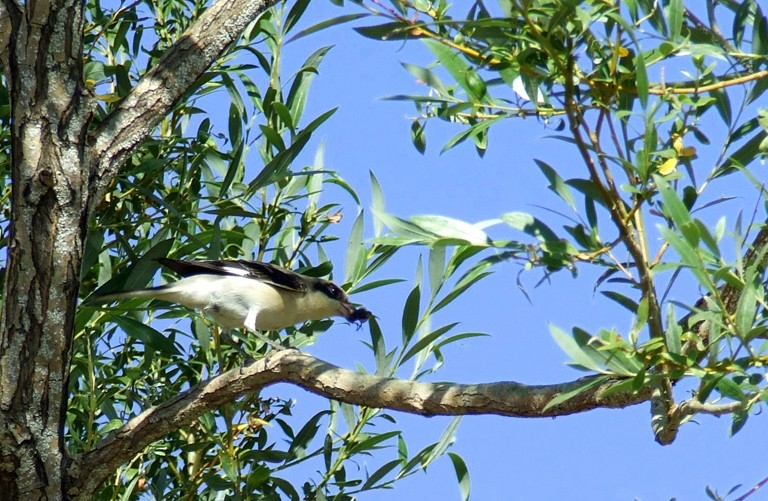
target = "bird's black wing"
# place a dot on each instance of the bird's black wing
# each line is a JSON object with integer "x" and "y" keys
{"x": 264, "y": 272}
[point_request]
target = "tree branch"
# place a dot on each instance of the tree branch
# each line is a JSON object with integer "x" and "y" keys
{"x": 159, "y": 89}
{"x": 507, "y": 398}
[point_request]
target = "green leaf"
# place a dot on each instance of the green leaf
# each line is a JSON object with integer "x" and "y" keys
{"x": 411, "y": 314}
{"x": 446, "y": 439}
{"x": 144, "y": 333}
{"x": 418, "y": 138}
{"x": 530, "y": 225}
{"x": 377, "y": 204}
{"x": 739, "y": 420}
{"x": 564, "y": 397}
{"x": 730, "y": 389}
{"x": 436, "y": 268}
{"x": 375, "y": 285}
{"x": 569, "y": 345}
{"x": 328, "y": 23}
{"x": 299, "y": 6}
{"x": 622, "y": 300}
{"x": 387, "y": 31}
{"x": 472, "y": 276}
{"x": 675, "y": 12}
{"x": 299, "y": 445}
{"x": 673, "y": 207}
{"x": 747, "y": 304}
{"x": 372, "y": 442}
{"x": 454, "y": 63}
{"x": 641, "y": 79}
{"x": 356, "y": 252}
{"x": 429, "y": 78}
{"x": 673, "y": 332}
{"x": 451, "y": 229}
{"x": 377, "y": 475}
{"x": 139, "y": 273}
{"x": 742, "y": 157}
{"x": 278, "y": 167}
{"x": 426, "y": 341}
{"x": 556, "y": 183}
{"x": 462, "y": 474}
{"x": 297, "y": 95}
{"x": 689, "y": 256}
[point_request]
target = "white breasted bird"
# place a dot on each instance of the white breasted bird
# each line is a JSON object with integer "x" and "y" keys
{"x": 249, "y": 294}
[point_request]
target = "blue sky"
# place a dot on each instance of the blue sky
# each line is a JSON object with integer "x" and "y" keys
{"x": 606, "y": 454}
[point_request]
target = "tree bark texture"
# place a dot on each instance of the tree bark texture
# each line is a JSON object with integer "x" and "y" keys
{"x": 60, "y": 170}
{"x": 50, "y": 116}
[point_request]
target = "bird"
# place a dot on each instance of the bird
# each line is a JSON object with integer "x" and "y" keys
{"x": 252, "y": 295}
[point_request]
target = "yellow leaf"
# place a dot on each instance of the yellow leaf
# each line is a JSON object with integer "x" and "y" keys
{"x": 687, "y": 152}
{"x": 678, "y": 144}
{"x": 668, "y": 167}
{"x": 108, "y": 98}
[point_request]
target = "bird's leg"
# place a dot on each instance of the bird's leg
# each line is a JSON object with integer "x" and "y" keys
{"x": 250, "y": 324}
{"x": 238, "y": 345}
{"x": 264, "y": 338}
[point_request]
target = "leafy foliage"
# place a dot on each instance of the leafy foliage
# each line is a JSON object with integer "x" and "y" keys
{"x": 190, "y": 192}
{"x": 599, "y": 74}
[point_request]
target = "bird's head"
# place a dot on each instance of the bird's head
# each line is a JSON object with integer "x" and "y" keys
{"x": 340, "y": 300}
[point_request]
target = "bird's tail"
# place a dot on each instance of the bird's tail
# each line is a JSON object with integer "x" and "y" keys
{"x": 159, "y": 292}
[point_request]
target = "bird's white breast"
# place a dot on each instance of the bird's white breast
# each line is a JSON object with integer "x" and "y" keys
{"x": 229, "y": 299}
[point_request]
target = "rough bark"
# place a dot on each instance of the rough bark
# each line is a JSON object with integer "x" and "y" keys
{"x": 505, "y": 398}
{"x": 50, "y": 115}
{"x": 60, "y": 169}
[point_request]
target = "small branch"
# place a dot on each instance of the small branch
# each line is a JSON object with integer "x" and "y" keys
{"x": 691, "y": 407}
{"x": 728, "y": 293}
{"x": 158, "y": 90}
{"x": 508, "y": 398}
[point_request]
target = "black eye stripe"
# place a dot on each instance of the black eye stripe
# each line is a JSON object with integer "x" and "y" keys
{"x": 331, "y": 290}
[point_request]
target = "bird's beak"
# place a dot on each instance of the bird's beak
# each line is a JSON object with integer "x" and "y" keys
{"x": 346, "y": 310}
{"x": 356, "y": 315}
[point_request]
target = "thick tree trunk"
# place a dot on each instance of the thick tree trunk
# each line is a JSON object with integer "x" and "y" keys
{"x": 48, "y": 226}
{"x": 59, "y": 171}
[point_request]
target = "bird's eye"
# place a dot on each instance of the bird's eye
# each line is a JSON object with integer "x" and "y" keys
{"x": 331, "y": 290}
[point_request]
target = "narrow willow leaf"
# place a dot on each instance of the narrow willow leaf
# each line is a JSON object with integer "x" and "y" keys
{"x": 425, "y": 341}
{"x": 144, "y": 333}
{"x": 377, "y": 203}
{"x": 747, "y": 304}
{"x": 372, "y": 443}
{"x": 436, "y": 268}
{"x": 356, "y": 252}
{"x": 297, "y": 95}
{"x": 674, "y": 207}
{"x": 564, "y": 397}
{"x": 641, "y": 79}
{"x": 556, "y": 183}
{"x": 728, "y": 388}
{"x": 451, "y": 229}
{"x": 411, "y": 315}
{"x": 446, "y": 439}
{"x": 383, "y": 471}
{"x": 675, "y": 12}
{"x": 300, "y": 443}
{"x": 569, "y": 345}
{"x": 530, "y": 225}
{"x": 462, "y": 475}
{"x": 673, "y": 332}
{"x": 622, "y": 300}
